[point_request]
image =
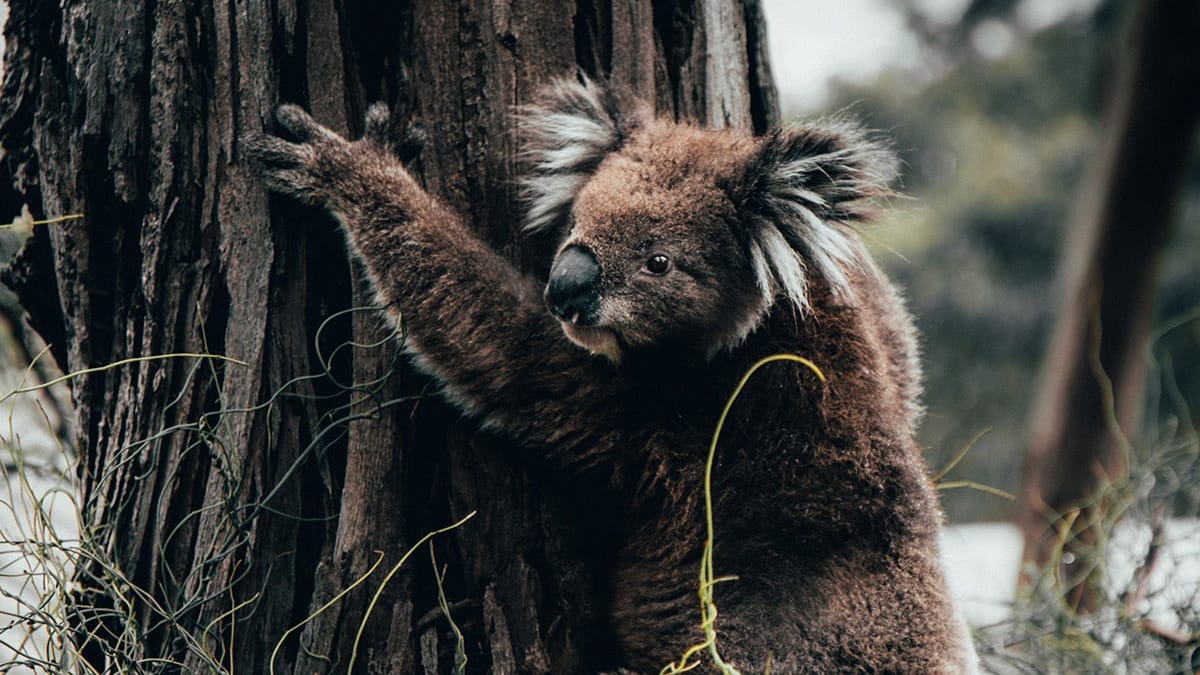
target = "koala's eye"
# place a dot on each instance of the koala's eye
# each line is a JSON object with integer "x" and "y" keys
{"x": 658, "y": 264}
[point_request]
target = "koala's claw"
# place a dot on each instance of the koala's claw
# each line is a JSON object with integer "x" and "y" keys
{"x": 387, "y": 134}
{"x": 411, "y": 144}
{"x": 272, "y": 153}
{"x": 285, "y": 167}
{"x": 378, "y": 125}
{"x": 316, "y": 161}
{"x": 300, "y": 124}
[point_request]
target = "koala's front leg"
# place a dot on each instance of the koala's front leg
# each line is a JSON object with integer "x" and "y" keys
{"x": 472, "y": 320}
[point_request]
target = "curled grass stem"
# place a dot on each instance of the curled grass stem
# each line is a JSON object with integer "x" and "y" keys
{"x": 708, "y": 606}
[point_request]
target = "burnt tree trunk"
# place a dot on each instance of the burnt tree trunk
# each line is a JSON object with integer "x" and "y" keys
{"x": 1087, "y": 408}
{"x": 226, "y": 503}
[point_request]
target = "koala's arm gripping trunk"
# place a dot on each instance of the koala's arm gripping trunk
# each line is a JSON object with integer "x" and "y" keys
{"x": 472, "y": 320}
{"x": 477, "y": 324}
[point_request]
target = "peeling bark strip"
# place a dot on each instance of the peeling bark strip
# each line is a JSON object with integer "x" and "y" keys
{"x": 726, "y": 65}
{"x": 230, "y": 503}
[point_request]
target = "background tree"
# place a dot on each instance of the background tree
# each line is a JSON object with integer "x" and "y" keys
{"x": 1091, "y": 393}
{"x": 226, "y": 503}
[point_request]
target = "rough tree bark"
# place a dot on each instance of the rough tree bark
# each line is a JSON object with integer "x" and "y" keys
{"x": 226, "y": 503}
{"x": 1092, "y": 380}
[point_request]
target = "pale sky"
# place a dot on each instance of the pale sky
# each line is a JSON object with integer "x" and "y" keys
{"x": 811, "y": 41}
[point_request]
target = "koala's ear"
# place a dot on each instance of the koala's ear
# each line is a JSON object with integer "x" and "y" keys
{"x": 564, "y": 137}
{"x": 803, "y": 193}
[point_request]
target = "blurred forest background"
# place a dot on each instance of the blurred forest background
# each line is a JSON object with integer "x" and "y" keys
{"x": 996, "y": 108}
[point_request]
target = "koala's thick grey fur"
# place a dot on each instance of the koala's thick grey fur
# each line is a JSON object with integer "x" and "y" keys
{"x": 687, "y": 255}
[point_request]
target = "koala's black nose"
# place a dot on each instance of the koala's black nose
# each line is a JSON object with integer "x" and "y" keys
{"x": 572, "y": 293}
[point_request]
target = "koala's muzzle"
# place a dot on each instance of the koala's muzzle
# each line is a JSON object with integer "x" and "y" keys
{"x": 573, "y": 292}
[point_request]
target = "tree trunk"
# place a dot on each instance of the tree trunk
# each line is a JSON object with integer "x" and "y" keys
{"x": 1092, "y": 379}
{"x": 226, "y": 504}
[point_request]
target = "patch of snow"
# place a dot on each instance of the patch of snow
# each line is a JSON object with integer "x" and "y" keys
{"x": 38, "y": 528}
{"x": 1173, "y": 582}
{"x": 39, "y": 521}
{"x": 981, "y": 561}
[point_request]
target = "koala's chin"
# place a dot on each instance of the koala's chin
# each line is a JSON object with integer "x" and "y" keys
{"x": 596, "y": 339}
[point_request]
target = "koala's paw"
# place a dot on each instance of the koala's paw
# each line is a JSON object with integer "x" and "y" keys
{"x": 307, "y": 169}
{"x": 353, "y": 180}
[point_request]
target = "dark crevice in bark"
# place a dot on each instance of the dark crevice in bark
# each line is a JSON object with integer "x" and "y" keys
{"x": 585, "y": 36}
{"x": 593, "y": 37}
{"x": 674, "y": 26}
{"x": 31, "y": 276}
{"x": 292, "y": 65}
{"x": 235, "y": 67}
{"x": 17, "y": 105}
{"x": 376, "y": 33}
{"x": 764, "y": 98}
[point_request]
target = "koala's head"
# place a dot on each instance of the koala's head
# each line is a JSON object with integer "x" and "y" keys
{"x": 678, "y": 236}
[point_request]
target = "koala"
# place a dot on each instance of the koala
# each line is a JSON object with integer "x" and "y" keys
{"x": 686, "y": 255}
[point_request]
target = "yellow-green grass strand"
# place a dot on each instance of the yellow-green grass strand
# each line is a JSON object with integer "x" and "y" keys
{"x": 48, "y": 221}
{"x": 708, "y": 608}
{"x": 961, "y": 454}
{"x": 230, "y": 614}
{"x": 955, "y": 484}
{"x": 391, "y": 573}
{"x": 1108, "y": 396}
{"x": 118, "y": 364}
{"x": 322, "y": 608}
{"x": 1065, "y": 526}
{"x": 28, "y": 372}
{"x": 460, "y": 646}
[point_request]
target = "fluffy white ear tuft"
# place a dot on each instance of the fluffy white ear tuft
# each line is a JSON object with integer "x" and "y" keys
{"x": 806, "y": 190}
{"x": 564, "y": 137}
